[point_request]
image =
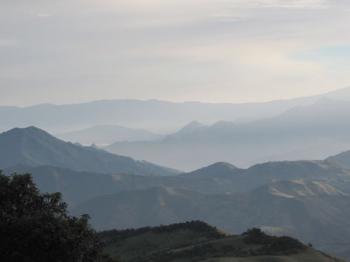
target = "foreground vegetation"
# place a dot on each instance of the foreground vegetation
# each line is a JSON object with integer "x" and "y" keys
{"x": 197, "y": 241}
{"x": 36, "y": 227}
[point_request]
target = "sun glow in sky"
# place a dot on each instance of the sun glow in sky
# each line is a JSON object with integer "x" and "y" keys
{"x": 203, "y": 50}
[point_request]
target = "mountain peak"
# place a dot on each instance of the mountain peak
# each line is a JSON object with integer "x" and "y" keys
{"x": 192, "y": 126}
{"x": 27, "y": 135}
{"x": 33, "y": 146}
{"x": 25, "y": 130}
{"x": 217, "y": 169}
{"x": 223, "y": 165}
{"x": 189, "y": 129}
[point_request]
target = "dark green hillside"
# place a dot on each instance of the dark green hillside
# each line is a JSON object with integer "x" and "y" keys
{"x": 138, "y": 243}
{"x": 197, "y": 241}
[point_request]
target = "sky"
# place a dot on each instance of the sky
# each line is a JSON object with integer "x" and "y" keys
{"x": 72, "y": 51}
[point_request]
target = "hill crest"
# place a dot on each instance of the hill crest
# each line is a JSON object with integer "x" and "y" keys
{"x": 32, "y": 146}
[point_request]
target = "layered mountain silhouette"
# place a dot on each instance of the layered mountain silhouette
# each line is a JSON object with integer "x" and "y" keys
{"x": 304, "y": 199}
{"x": 34, "y": 147}
{"x": 149, "y": 115}
{"x": 219, "y": 178}
{"x": 307, "y": 132}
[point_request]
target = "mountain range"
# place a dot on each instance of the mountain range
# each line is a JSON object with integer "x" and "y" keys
{"x": 245, "y": 134}
{"x": 34, "y": 147}
{"x": 150, "y": 115}
{"x": 304, "y": 199}
{"x": 219, "y": 178}
{"x": 307, "y": 132}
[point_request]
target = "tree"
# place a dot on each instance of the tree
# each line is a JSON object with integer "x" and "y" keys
{"x": 36, "y": 227}
{"x": 255, "y": 236}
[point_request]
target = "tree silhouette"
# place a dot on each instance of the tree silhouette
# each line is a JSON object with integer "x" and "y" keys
{"x": 36, "y": 227}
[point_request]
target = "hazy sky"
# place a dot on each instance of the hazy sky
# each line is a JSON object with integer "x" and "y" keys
{"x": 205, "y": 50}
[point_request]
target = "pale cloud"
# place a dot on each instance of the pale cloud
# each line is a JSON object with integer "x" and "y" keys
{"x": 44, "y": 15}
{"x": 283, "y": 3}
{"x": 8, "y": 42}
{"x": 210, "y": 50}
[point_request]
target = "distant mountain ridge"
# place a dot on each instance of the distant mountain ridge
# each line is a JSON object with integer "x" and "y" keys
{"x": 34, "y": 147}
{"x": 342, "y": 159}
{"x": 219, "y": 178}
{"x": 306, "y": 132}
{"x": 305, "y": 199}
{"x": 152, "y": 115}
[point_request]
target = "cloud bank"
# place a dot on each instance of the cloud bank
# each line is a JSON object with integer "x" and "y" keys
{"x": 218, "y": 51}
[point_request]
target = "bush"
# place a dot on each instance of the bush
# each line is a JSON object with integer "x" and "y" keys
{"x": 255, "y": 236}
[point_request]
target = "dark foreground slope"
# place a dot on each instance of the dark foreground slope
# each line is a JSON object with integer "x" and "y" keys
{"x": 197, "y": 241}
{"x": 34, "y": 147}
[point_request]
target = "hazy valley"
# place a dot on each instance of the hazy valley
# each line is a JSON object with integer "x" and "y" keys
{"x": 307, "y": 132}
{"x": 304, "y": 199}
{"x": 174, "y": 131}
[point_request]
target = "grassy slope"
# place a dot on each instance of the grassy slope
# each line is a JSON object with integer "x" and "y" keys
{"x": 197, "y": 241}
{"x": 306, "y": 256}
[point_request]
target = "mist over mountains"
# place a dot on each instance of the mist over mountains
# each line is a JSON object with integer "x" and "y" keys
{"x": 243, "y": 134}
{"x": 175, "y": 131}
{"x": 234, "y": 175}
{"x": 152, "y": 115}
{"x": 304, "y": 199}
{"x": 107, "y": 134}
{"x": 306, "y": 132}
{"x": 34, "y": 147}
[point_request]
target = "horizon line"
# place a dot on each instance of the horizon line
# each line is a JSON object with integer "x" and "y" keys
{"x": 172, "y": 102}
